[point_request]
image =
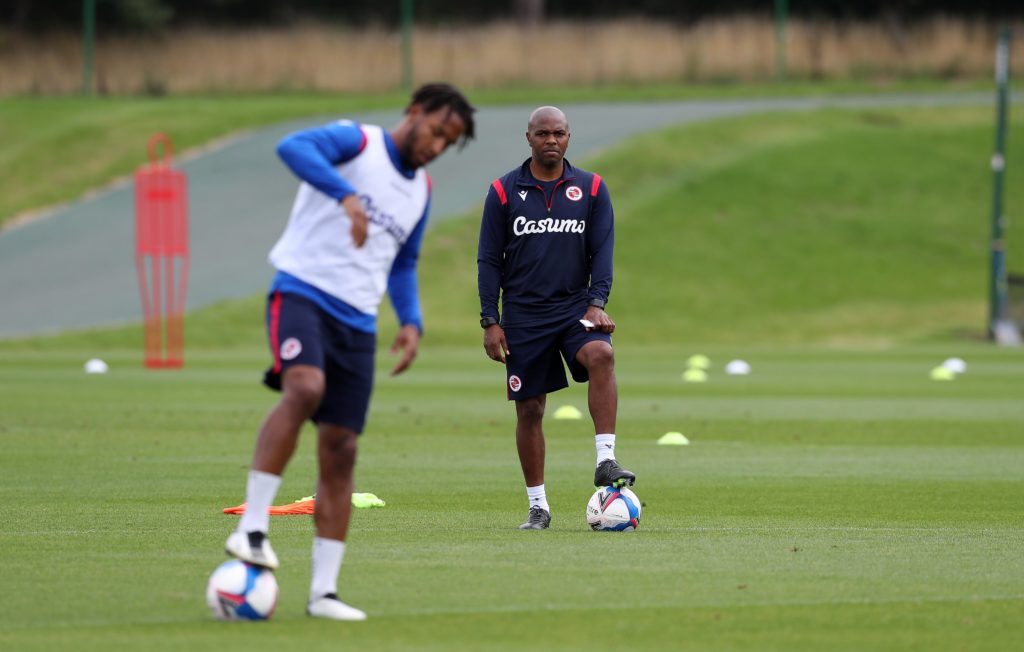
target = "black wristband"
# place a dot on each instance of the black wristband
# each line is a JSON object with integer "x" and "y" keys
{"x": 487, "y": 321}
{"x": 597, "y": 303}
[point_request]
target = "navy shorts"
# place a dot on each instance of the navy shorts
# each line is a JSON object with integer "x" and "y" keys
{"x": 301, "y": 333}
{"x": 534, "y": 364}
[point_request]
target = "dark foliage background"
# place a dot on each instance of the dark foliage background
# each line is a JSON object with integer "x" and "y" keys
{"x": 156, "y": 15}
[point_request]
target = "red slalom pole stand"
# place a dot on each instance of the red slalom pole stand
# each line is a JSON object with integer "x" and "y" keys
{"x": 161, "y": 255}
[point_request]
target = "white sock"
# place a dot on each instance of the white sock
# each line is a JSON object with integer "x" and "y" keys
{"x": 538, "y": 497}
{"x": 327, "y": 556}
{"x": 605, "y": 447}
{"x": 260, "y": 490}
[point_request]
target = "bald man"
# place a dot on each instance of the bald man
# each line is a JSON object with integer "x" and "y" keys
{"x": 546, "y": 241}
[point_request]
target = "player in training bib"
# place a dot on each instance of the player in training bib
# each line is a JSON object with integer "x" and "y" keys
{"x": 354, "y": 233}
{"x": 546, "y": 241}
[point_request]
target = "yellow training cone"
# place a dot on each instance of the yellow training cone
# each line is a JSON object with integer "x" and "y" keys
{"x": 695, "y": 376}
{"x": 673, "y": 439}
{"x": 366, "y": 500}
{"x": 942, "y": 373}
{"x": 698, "y": 361}
{"x": 568, "y": 412}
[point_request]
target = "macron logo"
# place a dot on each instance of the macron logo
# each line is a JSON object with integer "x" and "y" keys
{"x": 523, "y": 226}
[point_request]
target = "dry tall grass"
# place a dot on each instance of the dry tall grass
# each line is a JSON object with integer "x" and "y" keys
{"x": 326, "y": 58}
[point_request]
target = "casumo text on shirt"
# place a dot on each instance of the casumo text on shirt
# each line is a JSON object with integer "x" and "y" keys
{"x": 525, "y": 226}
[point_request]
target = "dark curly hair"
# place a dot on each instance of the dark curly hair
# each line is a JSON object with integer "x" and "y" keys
{"x": 440, "y": 95}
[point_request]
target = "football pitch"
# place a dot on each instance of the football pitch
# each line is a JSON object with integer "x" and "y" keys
{"x": 835, "y": 499}
{"x": 830, "y": 500}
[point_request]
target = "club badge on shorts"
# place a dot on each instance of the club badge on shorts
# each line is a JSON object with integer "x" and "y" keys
{"x": 574, "y": 193}
{"x": 290, "y": 348}
{"x": 514, "y": 383}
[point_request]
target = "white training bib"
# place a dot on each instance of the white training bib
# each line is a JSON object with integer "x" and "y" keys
{"x": 317, "y": 245}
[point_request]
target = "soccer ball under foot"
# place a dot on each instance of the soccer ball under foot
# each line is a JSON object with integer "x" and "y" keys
{"x": 241, "y": 591}
{"x": 613, "y": 510}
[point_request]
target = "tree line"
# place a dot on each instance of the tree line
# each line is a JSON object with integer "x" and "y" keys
{"x": 158, "y": 15}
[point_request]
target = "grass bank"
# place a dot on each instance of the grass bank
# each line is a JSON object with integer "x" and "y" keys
{"x": 59, "y": 148}
{"x": 846, "y": 228}
{"x": 859, "y": 228}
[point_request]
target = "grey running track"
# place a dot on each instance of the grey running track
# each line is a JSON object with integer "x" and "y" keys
{"x": 75, "y": 267}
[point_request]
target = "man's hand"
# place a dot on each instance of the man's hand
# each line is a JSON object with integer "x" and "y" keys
{"x": 408, "y": 341}
{"x": 495, "y": 344}
{"x": 602, "y": 322}
{"x": 360, "y": 223}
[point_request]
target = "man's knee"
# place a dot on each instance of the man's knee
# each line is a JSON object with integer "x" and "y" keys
{"x": 303, "y": 386}
{"x": 339, "y": 442}
{"x": 337, "y": 447}
{"x": 596, "y": 356}
{"x": 530, "y": 410}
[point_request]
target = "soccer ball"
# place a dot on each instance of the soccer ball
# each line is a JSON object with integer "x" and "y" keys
{"x": 241, "y": 591}
{"x": 613, "y": 510}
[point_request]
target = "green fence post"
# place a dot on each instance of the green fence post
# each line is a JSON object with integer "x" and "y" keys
{"x": 88, "y": 43}
{"x": 407, "y": 22}
{"x": 781, "y": 15}
{"x": 997, "y": 275}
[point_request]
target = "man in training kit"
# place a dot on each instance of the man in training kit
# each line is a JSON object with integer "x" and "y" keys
{"x": 546, "y": 241}
{"x": 355, "y": 231}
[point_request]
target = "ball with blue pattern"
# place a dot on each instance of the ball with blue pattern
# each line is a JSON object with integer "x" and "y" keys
{"x": 613, "y": 510}
{"x": 241, "y": 591}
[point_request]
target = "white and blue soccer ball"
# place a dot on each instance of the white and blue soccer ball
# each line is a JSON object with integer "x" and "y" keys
{"x": 613, "y": 510}
{"x": 241, "y": 591}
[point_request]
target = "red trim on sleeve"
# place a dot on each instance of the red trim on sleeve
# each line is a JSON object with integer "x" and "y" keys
{"x": 275, "y": 323}
{"x": 362, "y": 144}
{"x": 500, "y": 189}
{"x": 595, "y": 185}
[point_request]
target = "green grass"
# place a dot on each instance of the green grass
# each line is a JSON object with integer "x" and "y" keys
{"x": 876, "y": 220}
{"x": 836, "y": 499}
{"x": 831, "y": 500}
{"x": 849, "y": 228}
{"x": 841, "y": 227}
{"x": 57, "y": 148}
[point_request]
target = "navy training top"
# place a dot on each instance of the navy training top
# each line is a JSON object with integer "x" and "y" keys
{"x": 546, "y": 247}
